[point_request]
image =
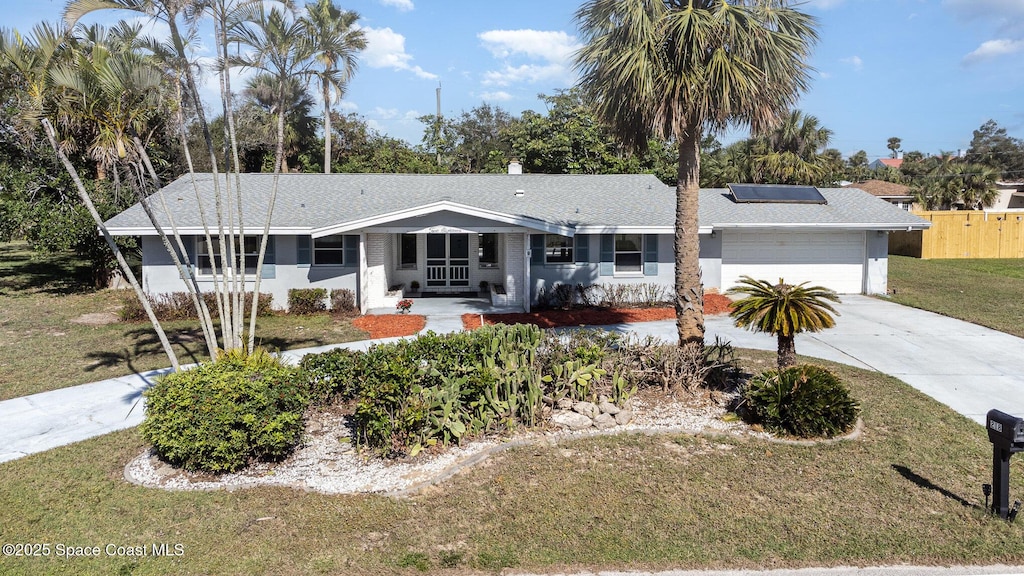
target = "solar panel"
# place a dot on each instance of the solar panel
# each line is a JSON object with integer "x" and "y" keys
{"x": 776, "y": 193}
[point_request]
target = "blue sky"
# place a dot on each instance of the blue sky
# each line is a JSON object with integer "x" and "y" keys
{"x": 927, "y": 71}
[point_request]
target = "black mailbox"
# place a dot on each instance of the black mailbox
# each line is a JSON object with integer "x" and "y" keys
{"x": 1005, "y": 430}
{"x": 1006, "y": 433}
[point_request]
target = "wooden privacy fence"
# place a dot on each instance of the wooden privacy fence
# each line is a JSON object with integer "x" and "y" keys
{"x": 963, "y": 234}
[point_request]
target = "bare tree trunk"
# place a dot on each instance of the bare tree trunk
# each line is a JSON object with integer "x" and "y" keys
{"x": 184, "y": 268}
{"x": 278, "y": 165}
{"x": 787, "y": 352}
{"x": 689, "y": 286}
{"x": 327, "y": 127}
{"x": 128, "y": 274}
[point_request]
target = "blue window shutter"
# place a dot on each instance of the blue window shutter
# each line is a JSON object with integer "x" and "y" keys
{"x": 537, "y": 249}
{"x": 351, "y": 257}
{"x": 270, "y": 260}
{"x": 190, "y": 243}
{"x": 650, "y": 254}
{"x": 303, "y": 251}
{"x": 582, "y": 248}
{"x": 607, "y": 255}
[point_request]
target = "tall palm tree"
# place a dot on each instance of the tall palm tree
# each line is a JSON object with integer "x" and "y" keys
{"x": 279, "y": 49}
{"x": 261, "y": 100}
{"x": 783, "y": 310}
{"x": 333, "y": 43}
{"x": 680, "y": 69}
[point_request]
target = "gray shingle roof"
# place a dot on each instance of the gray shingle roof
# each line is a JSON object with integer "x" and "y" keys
{"x": 318, "y": 201}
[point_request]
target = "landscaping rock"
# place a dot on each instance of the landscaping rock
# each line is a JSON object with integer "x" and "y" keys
{"x": 571, "y": 420}
{"x": 609, "y": 408}
{"x": 588, "y": 409}
{"x": 604, "y": 422}
{"x": 564, "y": 404}
{"x": 624, "y": 417}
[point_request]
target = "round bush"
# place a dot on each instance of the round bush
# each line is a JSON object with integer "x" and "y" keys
{"x": 219, "y": 416}
{"x": 805, "y": 401}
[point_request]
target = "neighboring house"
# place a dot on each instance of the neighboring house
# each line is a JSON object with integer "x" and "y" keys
{"x": 883, "y": 163}
{"x": 525, "y": 232}
{"x": 1011, "y": 197}
{"x": 896, "y": 194}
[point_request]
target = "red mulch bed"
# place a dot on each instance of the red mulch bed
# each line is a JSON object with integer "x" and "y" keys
{"x": 714, "y": 304}
{"x": 390, "y": 325}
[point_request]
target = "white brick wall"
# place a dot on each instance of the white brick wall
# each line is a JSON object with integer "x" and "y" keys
{"x": 515, "y": 268}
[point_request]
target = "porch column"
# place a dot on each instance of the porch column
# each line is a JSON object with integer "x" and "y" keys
{"x": 517, "y": 269}
{"x": 373, "y": 282}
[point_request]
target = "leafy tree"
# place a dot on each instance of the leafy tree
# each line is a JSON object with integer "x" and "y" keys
{"x": 894, "y": 147}
{"x": 790, "y": 154}
{"x": 361, "y": 149}
{"x": 992, "y": 146}
{"x": 256, "y": 118}
{"x": 680, "y": 70}
{"x": 858, "y": 165}
{"x": 783, "y": 310}
{"x": 334, "y": 42}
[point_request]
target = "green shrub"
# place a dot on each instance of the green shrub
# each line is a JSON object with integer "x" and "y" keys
{"x": 178, "y": 306}
{"x": 307, "y": 300}
{"x": 219, "y": 416}
{"x": 343, "y": 301}
{"x": 805, "y": 401}
{"x": 335, "y": 373}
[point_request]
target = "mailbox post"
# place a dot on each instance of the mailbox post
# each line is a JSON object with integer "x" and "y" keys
{"x": 1006, "y": 433}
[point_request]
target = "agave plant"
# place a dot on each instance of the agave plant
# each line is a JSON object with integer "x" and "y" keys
{"x": 783, "y": 310}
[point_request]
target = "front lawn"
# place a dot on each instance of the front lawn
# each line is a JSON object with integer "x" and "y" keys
{"x": 986, "y": 292}
{"x": 907, "y": 491}
{"x": 56, "y": 332}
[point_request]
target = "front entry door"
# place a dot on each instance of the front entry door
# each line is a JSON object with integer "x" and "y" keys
{"x": 447, "y": 260}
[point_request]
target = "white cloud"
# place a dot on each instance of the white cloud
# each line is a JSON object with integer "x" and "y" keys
{"x": 499, "y": 96}
{"x": 527, "y": 73}
{"x": 824, "y": 75}
{"x": 348, "y": 106}
{"x": 402, "y": 5}
{"x": 550, "y": 53}
{"x": 411, "y": 116}
{"x": 854, "y": 61}
{"x": 385, "y": 48}
{"x": 386, "y": 113}
{"x": 1007, "y": 14}
{"x": 824, "y": 4}
{"x": 994, "y": 49}
{"x": 552, "y": 46}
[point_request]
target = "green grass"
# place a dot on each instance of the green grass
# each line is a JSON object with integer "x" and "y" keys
{"x": 908, "y": 491}
{"x": 45, "y": 346}
{"x": 985, "y": 292}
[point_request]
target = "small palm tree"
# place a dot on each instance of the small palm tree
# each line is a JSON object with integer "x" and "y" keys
{"x": 784, "y": 310}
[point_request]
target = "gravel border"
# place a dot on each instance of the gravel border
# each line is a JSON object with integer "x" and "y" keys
{"x": 326, "y": 461}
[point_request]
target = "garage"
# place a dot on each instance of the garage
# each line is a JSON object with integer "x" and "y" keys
{"x": 834, "y": 259}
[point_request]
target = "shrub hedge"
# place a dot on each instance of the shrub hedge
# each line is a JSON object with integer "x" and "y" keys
{"x": 805, "y": 401}
{"x": 219, "y": 416}
{"x": 178, "y": 306}
{"x": 307, "y": 300}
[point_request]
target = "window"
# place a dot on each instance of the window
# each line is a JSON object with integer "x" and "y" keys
{"x": 329, "y": 251}
{"x": 205, "y": 258}
{"x": 557, "y": 249}
{"x": 629, "y": 255}
{"x": 407, "y": 251}
{"x": 488, "y": 251}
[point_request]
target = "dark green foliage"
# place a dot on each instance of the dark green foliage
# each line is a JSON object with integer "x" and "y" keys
{"x": 343, "y": 301}
{"x": 335, "y": 373}
{"x": 220, "y": 416}
{"x": 179, "y": 306}
{"x": 307, "y": 300}
{"x": 806, "y": 401}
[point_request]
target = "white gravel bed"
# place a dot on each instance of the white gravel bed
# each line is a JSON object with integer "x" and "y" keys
{"x": 327, "y": 462}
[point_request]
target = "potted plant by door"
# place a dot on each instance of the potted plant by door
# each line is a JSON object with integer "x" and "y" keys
{"x": 404, "y": 305}
{"x": 414, "y": 286}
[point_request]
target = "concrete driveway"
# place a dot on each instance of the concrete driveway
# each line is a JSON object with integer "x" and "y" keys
{"x": 969, "y": 368}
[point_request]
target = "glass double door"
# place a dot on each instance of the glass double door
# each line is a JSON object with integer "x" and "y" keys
{"x": 447, "y": 260}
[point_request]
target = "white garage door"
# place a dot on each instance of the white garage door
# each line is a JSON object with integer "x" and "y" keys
{"x": 831, "y": 259}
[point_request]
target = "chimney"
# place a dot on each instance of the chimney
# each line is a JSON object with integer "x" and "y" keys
{"x": 514, "y": 167}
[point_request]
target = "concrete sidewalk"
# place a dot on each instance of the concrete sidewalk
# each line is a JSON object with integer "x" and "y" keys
{"x": 967, "y": 367}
